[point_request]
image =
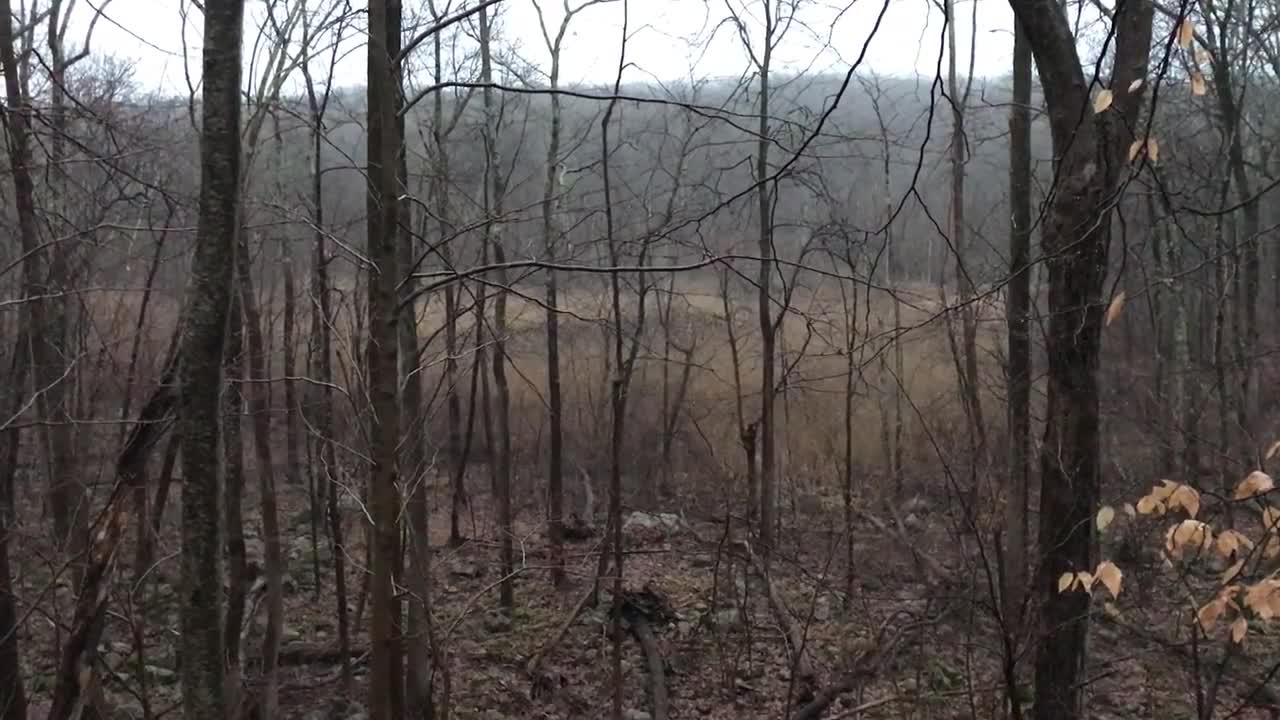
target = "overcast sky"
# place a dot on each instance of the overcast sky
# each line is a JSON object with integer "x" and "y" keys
{"x": 668, "y": 39}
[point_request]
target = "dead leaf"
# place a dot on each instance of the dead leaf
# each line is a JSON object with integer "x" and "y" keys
{"x": 1238, "y": 630}
{"x": 1135, "y": 84}
{"x": 1149, "y": 504}
{"x": 1086, "y": 581}
{"x": 1105, "y": 516}
{"x": 1153, "y": 150}
{"x": 1270, "y": 518}
{"x": 1198, "y": 86}
{"x": 1187, "y": 498}
{"x": 1191, "y": 534}
{"x": 1130, "y": 510}
{"x": 1271, "y": 451}
{"x": 1103, "y": 100}
{"x": 1209, "y": 614}
{"x": 1186, "y": 33}
{"x": 1113, "y": 310}
{"x": 1232, "y": 572}
{"x": 1064, "y": 582}
{"x": 1255, "y": 484}
{"x": 1134, "y": 147}
{"x": 1110, "y": 576}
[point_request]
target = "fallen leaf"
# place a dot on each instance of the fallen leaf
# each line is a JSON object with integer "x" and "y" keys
{"x": 1130, "y": 510}
{"x": 1271, "y": 451}
{"x": 1153, "y": 150}
{"x": 1135, "y": 84}
{"x": 1134, "y": 147}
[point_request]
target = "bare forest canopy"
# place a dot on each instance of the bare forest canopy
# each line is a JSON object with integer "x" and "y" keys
{"x": 841, "y": 394}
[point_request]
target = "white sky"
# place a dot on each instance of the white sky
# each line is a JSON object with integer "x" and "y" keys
{"x": 668, "y": 39}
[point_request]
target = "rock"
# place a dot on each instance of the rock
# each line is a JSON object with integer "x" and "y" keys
{"x": 497, "y": 622}
{"x": 727, "y": 617}
{"x": 162, "y": 675}
{"x": 822, "y": 609}
{"x": 254, "y": 549}
{"x": 300, "y": 549}
{"x": 666, "y": 522}
{"x": 465, "y": 569}
{"x": 634, "y": 714}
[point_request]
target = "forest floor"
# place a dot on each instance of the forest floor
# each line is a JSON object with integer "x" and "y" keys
{"x": 912, "y": 641}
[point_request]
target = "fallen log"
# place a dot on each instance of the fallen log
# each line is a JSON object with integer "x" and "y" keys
{"x": 800, "y": 666}
{"x": 310, "y": 653}
{"x": 653, "y": 660}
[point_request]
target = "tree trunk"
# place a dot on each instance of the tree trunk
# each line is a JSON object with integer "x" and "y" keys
{"x": 1018, "y": 325}
{"x": 200, "y": 383}
{"x": 386, "y": 665}
{"x": 1090, "y": 151}
{"x": 494, "y": 191}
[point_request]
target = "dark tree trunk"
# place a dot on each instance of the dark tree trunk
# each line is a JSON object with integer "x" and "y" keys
{"x": 1090, "y": 152}
{"x": 1018, "y": 326}
{"x": 386, "y": 671}
{"x": 200, "y": 383}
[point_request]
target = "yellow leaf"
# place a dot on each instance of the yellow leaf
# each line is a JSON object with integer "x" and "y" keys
{"x": 1135, "y": 84}
{"x": 1198, "y": 86}
{"x": 1271, "y": 451}
{"x": 1187, "y": 498}
{"x": 1103, "y": 100}
{"x": 1130, "y": 510}
{"x": 1256, "y": 483}
{"x": 1150, "y": 504}
{"x": 1105, "y": 516}
{"x": 1113, "y": 310}
{"x": 1109, "y": 575}
{"x": 1064, "y": 582}
{"x": 1186, "y": 33}
{"x": 1232, "y": 572}
{"x": 1153, "y": 150}
{"x": 1238, "y": 630}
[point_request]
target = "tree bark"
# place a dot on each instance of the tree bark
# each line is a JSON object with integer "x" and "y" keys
{"x": 1018, "y": 325}
{"x": 200, "y": 380}
{"x": 386, "y": 663}
{"x": 1090, "y": 152}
